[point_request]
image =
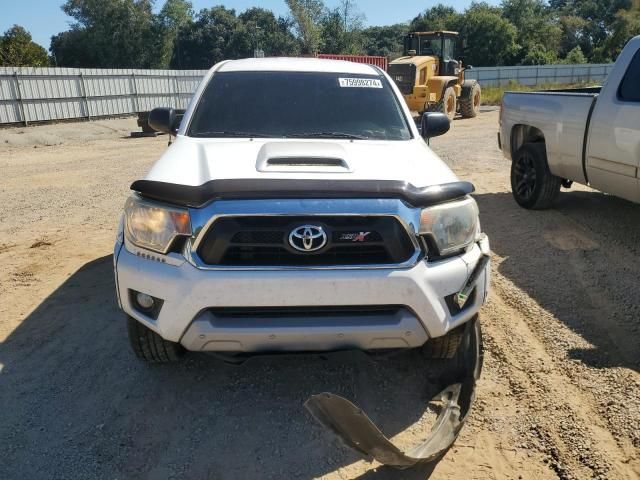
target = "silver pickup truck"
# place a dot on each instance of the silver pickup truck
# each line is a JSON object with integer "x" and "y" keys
{"x": 590, "y": 136}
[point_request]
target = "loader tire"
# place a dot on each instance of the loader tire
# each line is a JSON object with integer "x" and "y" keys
{"x": 151, "y": 347}
{"x": 470, "y": 99}
{"x": 448, "y": 104}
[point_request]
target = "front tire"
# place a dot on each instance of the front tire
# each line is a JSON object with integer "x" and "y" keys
{"x": 459, "y": 353}
{"x": 447, "y": 104}
{"x": 532, "y": 183}
{"x": 151, "y": 347}
{"x": 444, "y": 347}
{"x": 470, "y": 99}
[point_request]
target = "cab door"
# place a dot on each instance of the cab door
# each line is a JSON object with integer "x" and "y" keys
{"x": 613, "y": 150}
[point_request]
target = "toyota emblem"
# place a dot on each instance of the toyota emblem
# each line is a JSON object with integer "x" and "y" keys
{"x": 308, "y": 238}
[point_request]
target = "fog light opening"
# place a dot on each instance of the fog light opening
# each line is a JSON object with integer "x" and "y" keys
{"x": 144, "y": 301}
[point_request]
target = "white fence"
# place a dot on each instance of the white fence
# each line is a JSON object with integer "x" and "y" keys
{"x": 538, "y": 75}
{"x": 43, "y": 94}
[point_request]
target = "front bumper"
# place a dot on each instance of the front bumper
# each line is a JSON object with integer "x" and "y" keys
{"x": 192, "y": 297}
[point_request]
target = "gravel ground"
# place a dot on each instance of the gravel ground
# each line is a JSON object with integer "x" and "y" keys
{"x": 559, "y": 396}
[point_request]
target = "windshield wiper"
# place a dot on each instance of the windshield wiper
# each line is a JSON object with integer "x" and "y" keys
{"x": 350, "y": 136}
{"x": 229, "y": 134}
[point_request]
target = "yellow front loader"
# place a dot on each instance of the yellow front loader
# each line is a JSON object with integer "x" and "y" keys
{"x": 430, "y": 77}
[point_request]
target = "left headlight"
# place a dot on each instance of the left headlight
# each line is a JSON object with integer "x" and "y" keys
{"x": 152, "y": 226}
{"x": 452, "y": 226}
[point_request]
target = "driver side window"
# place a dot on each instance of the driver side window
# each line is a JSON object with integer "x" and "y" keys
{"x": 630, "y": 85}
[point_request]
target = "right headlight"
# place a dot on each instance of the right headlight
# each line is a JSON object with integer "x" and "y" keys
{"x": 153, "y": 226}
{"x": 451, "y": 226}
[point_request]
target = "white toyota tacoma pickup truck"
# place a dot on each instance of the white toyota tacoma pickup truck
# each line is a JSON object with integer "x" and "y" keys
{"x": 300, "y": 209}
{"x": 590, "y": 136}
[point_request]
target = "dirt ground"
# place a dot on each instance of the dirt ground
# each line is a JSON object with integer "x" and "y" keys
{"x": 559, "y": 396}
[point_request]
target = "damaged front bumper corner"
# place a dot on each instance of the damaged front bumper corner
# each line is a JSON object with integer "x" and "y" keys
{"x": 358, "y": 432}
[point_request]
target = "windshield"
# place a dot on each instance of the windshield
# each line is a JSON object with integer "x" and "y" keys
{"x": 424, "y": 45}
{"x": 298, "y": 105}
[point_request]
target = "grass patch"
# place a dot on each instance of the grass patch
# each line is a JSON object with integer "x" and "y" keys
{"x": 493, "y": 95}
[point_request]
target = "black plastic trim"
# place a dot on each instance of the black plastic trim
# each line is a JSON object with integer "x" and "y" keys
{"x": 585, "y": 139}
{"x": 253, "y": 189}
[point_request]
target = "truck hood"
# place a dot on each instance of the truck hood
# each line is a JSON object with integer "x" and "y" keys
{"x": 193, "y": 162}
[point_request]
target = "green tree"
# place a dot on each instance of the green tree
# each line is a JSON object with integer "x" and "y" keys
{"x": 572, "y": 28}
{"x": 18, "y": 50}
{"x": 590, "y": 23}
{"x": 386, "y": 41}
{"x": 174, "y": 15}
{"x": 538, "y": 54}
{"x": 341, "y": 29}
{"x": 440, "y": 17}
{"x": 332, "y": 33}
{"x": 306, "y": 17}
{"x": 538, "y": 31}
{"x": 491, "y": 38}
{"x": 107, "y": 34}
{"x": 259, "y": 28}
{"x": 625, "y": 26}
{"x": 207, "y": 40}
{"x": 575, "y": 56}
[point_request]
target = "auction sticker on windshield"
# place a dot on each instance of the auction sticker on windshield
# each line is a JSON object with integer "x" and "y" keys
{"x": 360, "y": 82}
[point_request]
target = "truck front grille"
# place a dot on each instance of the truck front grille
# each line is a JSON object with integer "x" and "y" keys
{"x": 263, "y": 241}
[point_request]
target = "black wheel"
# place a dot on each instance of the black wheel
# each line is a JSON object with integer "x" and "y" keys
{"x": 151, "y": 347}
{"x": 447, "y": 104}
{"x": 470, "y": 99}
{"x": 532, "y": 184}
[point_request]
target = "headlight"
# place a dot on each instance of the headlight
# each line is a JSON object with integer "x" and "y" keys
{"x": 152, "y": 226}
{"x": 452, "y": 226}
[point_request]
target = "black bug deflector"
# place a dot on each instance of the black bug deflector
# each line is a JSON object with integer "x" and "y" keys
{"x": 357, "y": 431}
{"x": 279, "y": 188}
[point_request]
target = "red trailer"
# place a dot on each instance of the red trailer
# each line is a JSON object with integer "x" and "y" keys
{"x": 381, "y": 62}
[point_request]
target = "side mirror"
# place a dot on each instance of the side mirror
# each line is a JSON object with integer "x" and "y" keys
{"x": 434, "y": 124}
{"x": 468, "y": 67}
{"x": 164, "y": 120}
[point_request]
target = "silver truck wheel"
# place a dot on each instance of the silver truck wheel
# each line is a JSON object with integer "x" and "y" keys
{"x": 532, "y": 183}
{"x": 151, "y": 347}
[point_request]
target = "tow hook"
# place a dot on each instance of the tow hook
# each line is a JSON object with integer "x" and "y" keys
{"x": 463, "y": 295}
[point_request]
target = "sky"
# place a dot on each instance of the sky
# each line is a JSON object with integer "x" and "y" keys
{"x": 44, "y": 18}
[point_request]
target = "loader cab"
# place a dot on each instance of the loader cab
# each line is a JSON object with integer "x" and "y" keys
{"x": 442, "y": 45}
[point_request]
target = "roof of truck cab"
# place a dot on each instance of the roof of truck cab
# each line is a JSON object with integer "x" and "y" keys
{"x": 293, "y": 64}
{"x": 433, "y": 32}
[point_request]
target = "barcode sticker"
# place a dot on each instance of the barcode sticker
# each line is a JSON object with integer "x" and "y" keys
{"x": 360, "y": 83}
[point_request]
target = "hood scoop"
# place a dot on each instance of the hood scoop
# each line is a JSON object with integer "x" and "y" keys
{"x": 306, "y": 157}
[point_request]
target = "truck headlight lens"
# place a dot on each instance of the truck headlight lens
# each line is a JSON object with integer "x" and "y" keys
{"x": 452, "y": 226}
{"x": 152, "y": 226}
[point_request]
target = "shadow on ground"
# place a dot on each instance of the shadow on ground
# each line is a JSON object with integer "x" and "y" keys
{"x": 580, "y": 261}
{"x": 75, "y": 403}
